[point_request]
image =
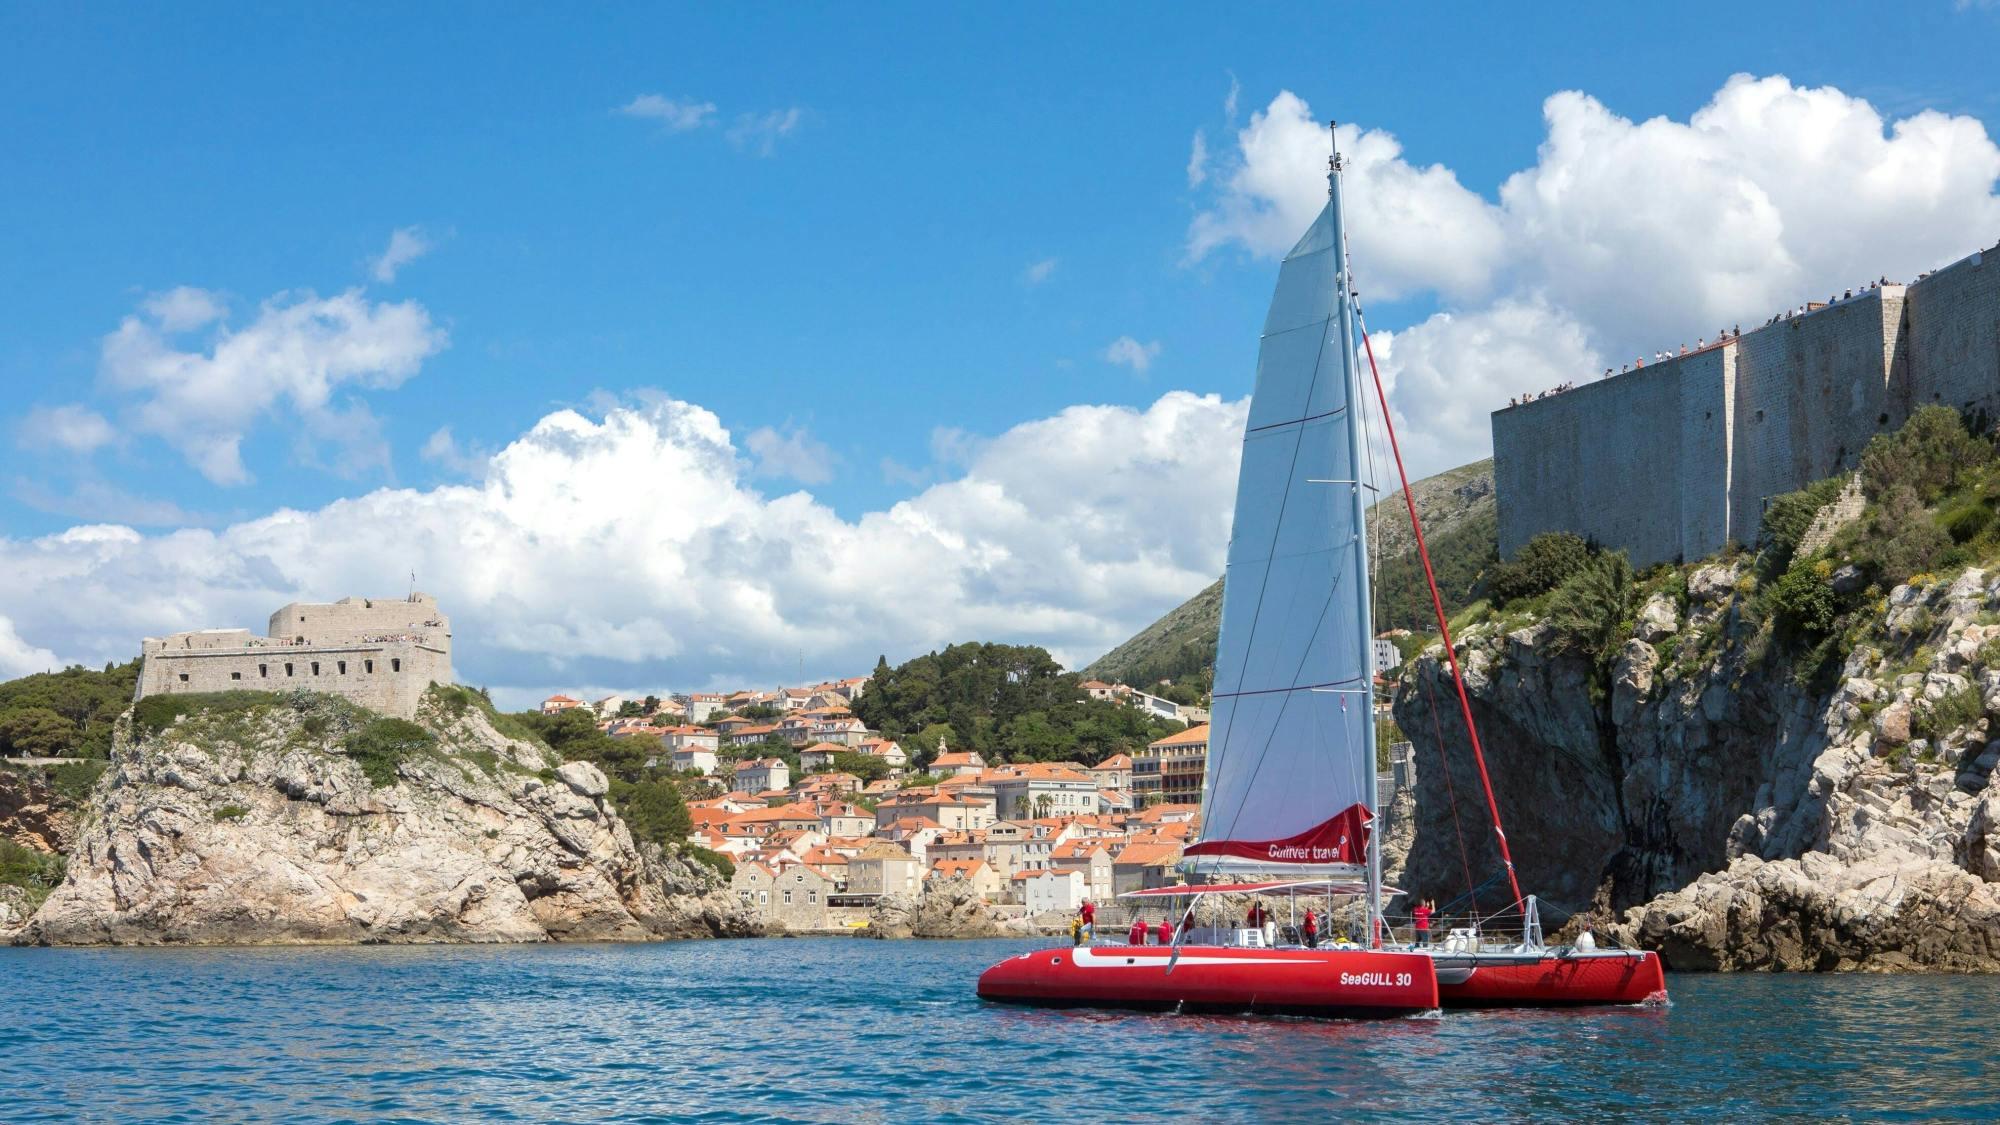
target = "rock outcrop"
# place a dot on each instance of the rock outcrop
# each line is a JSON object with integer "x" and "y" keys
{"x": 1712, "y": 806}
{"x": 33, "y": 814}
{"x": 945, "y": 908}
{"x": 258, "y": 826}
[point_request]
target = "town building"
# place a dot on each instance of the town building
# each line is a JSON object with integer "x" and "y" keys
{"x": 759, "y": 775}
{"x": 883, "y": 868}
{"x": 1173, "y": 768}
{"x": 381, "y": 653}
{"x": 1053, "y": 892}
{"x": 1042, "y": 789}
{"x": 557, "y": 704}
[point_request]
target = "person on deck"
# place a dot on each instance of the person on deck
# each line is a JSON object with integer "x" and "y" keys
{"x": 1137, "y": 934}
{"x": 1310, "y": 931}
{"x": 1420, "y": 917}
{"x": 1076, "y": 931}
{"x": 1088, "y": 916}
{"x": 1166, "y": 932}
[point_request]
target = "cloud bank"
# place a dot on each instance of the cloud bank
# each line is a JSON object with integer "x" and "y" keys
{"x": 1622, "y": 239}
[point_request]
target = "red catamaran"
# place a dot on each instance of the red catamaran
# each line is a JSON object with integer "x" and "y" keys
{"x": 1289, "y": 801}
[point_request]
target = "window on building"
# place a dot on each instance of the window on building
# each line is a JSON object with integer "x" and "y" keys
{"x": 788, "y": 896}
{"x": 263, "y": 671}
{"x": 395, "y": 664}
{"x": 340, "y": 667}
{"x": 184, "y": 677}
{"x": 368, "y": 666}
{"x": 235, "y": 675}
{"x": 763, "y": 898}
{"x": 812, "y": 898}
{"x": 315, "y": 667}
{"x": 288, "y": 667}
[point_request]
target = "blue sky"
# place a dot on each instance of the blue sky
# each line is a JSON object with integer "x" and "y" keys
{"x": 842, "y": 248}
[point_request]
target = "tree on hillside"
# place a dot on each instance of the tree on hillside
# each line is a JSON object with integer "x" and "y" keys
{"x": 1006, "y": 702}
{"x": 89, "y": 699}
{"x": 35, "y": 732}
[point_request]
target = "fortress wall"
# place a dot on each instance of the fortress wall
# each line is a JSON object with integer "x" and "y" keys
{"x": 1596, "y": 461}
{"x": 386, "y": 678}
{"x": 350, "y": 619}
{"x": 1708, "y": 389}
{"x": 1954, "y": 336}
{"x": 1810, "y": 392}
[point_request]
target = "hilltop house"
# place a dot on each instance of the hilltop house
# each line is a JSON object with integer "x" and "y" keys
{"x": 761, "y": 775}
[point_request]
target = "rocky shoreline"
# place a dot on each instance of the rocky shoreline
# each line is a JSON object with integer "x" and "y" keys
{"x": 255, "y": 827}
{"x": 1713, "y": 808}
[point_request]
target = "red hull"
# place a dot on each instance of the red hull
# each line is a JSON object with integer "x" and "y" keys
{"x": 1552, "y": 981}
{"x": 1351, "y": 982}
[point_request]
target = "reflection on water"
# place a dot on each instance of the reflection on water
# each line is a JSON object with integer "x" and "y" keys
{"x": 846, "y": 1030}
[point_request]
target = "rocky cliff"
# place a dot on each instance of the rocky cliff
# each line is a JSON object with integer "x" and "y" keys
{"x": 273, "y": 823}
{"x": 1703, "y": 801}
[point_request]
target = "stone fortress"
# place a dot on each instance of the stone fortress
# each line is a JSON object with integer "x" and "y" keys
{"x": 1674, "y": 459}
{"x": 382, "y": 653}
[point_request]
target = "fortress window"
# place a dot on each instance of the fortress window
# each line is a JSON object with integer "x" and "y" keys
{"x": 288, "y": 668}
{"x": 342, "y": 666}
{"x": 1760, "y": 416}
{"x": 368, "y": 666}
{"x": 263, "y": 671}
{"x": 235, "y": 675}
{"x": 395, "y": 664}
{"x": 315, "y": 667}
{"x": 184, "y": 677}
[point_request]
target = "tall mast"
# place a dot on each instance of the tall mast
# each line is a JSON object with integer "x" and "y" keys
{"x": 1363, "y": 609}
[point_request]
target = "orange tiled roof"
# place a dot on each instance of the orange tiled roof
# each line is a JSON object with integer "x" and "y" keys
{"x": 1193, "y": 736}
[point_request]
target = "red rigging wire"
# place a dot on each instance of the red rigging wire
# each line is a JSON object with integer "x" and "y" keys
{"x": 1437, "y": 604}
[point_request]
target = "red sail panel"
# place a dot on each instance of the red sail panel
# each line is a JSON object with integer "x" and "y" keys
{"x": 1342, "y": 838}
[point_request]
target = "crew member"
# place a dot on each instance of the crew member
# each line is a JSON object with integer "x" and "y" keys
{"x": 1166, "y": 932}
{"x": 1137, "y": 934}
{"x": 1310, "y": 931}
{"x": 1420, "y": 917}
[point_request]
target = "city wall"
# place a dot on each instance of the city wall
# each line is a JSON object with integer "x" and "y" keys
{"x": 1675, "y": 459}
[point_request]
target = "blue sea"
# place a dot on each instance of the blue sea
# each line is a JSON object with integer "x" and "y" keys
{"x": 842, "y": 1029}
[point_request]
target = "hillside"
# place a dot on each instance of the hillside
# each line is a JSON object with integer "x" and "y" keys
{"x": 1460, "y": 524}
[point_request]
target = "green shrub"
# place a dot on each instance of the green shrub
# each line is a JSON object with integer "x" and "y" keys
{"x": 1789, "y": 516}
{"x": 721, "y": 863}
{"x": 36, "y": 872}
{"x": 1956, "y": 711}
{"x": 231, "y": 812}
{"x": 1965, "y": 521}
{"x": 1804, "y": 599}
{"x": 75, "y": 780}
{"x": 384, "y": 744}
{"x": 1929, "y": 455}
{"x": 155, "y": 713}
{"x": 1542, "y": 564}
{"x": 1589, "y": 609}
{"x": 653, "y": 810}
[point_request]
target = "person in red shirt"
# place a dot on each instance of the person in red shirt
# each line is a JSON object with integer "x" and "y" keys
{"x": 1137, "y": 935}
{"x": 1310, "y": 931}
{"x": 1420, "y": 917}
{"x": 1166, "y": 932}
{"x": 1089, "y": 915}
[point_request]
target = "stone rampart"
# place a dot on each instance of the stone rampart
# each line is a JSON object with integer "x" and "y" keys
{"x": 1674, "y": 460}
{"x": 381, "y": 653}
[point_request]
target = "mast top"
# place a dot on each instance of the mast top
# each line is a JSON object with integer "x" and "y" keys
{"x": 1333, "y": 160}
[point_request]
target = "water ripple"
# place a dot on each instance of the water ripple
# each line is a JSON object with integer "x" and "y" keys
{"x": 859, "y": 1031}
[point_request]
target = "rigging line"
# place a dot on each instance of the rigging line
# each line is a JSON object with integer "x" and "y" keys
{"x": 1296, "y": 421}
{"x": 1264, "y": 584}
{"x": 1437, "y": 603}
{"x": 1451, "y": 790}
{"x": 1282, "y": 690}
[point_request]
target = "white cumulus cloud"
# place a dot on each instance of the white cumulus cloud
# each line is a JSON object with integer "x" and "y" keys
{"x": 1129, "y": 352}
{"x": 761, "y": 132}
{"x": 19, "y": 658}
{"x": 406, "y": 245}
{"x": 678, "y": 115}
{"x": 71, "y": 427}
{"x": 1621, "y": 238}
{"x": 791, "y": 453}
{"x": 631, "y": 547}
{"x": 298, "y": 356}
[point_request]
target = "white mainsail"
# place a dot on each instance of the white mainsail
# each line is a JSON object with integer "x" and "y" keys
{"x": 1291, "y": 758}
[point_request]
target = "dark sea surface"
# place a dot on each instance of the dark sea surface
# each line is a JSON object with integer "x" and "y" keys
{"x": 843, "y": 1029}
